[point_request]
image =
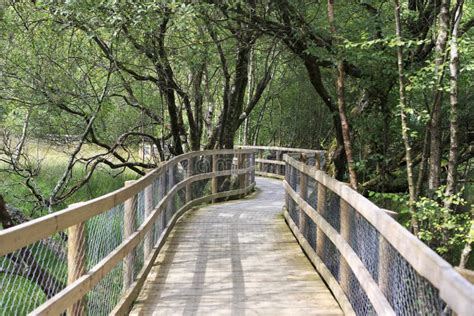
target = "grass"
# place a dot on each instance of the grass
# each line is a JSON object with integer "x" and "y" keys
{"x": 18, "y": 295}
{"x": 53, "y": 161}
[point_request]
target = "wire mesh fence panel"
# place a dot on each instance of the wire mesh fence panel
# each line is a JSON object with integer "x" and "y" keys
{"x": 332, "y": 210}
{"x": 364, "y": 240}
{"x": 356, "y": 294}
{"x": 103, "y": 297}
{"x": 312, "y": 193}
{"x": 33, "y": 274}
{"x": 103, "y": 234}
{"x": 406, "y": 290}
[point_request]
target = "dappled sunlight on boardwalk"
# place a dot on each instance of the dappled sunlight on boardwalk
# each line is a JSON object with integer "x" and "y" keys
{"x": 236, "y": 257}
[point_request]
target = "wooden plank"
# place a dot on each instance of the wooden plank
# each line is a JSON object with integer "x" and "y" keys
{"x": 270, "y": 175}
{"x": 83, "y": 285}
{"x": 129, "y": 215}
{"x": 214, "y": 184}
{"x": 188, "y": 174}
{"x": 235, "y": 267}
{"x": 335, "y": 287}
{"x": 344, "y": 269}
{"x": 132, "y": 293}
{"x": 272, "y": 162}
{"x": 76, "y": 262}
{"x": 304, "y": 194}
{"x": 148, "y": 242}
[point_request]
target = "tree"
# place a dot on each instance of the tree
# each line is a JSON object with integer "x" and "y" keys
{"x": 403, "y": 115}
{"x": 341, "y": 102}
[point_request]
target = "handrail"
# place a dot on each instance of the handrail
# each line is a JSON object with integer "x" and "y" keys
{"x": 370, "y": 262}
{"x": 145, "y": 210}
{"x": 270, "y": 163}
{"x": 375, "y": 266}
{"x": 285, "y": 149}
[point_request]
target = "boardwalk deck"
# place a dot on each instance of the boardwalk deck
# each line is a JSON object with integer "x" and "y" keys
{"x": 235, "y": 258}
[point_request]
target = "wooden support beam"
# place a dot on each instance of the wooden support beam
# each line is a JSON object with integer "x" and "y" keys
{"x": 214, "y": 178}
{"x": 320, "y": 237}
{"x": 129, "y": 215}
{"x": 344, "y": 269}
{"x": 161, "y": 195}
{"x": 278, "y": 157}
{"x": 189, "y": 192}
{"x": 240, "y": 165}
{"x": 76, "y": 262}
{"x": 148, "y": 241}
{"x": 170, "y": 184}
{"x": 384, "y": 265}
{"x": 304, "y": 195}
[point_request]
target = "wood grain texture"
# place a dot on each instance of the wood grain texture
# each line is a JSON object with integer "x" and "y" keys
{"x": 235, "y": 258}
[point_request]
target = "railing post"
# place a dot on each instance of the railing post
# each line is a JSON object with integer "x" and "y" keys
{"x": 76, "y": 262}
{"x": 384, "y": 264}
{"x": 317, "y": 157}
{"x": 303, "y": 194}
{"x": 240, "y": 165}
{"x": 344, "y": 268}
{"x": 287, "y": 179}
{"x": 128, "y": 229}
{"x": 161, "y": 194}
{"x": 189, "y": 195}
{"x": 148, "y": 241}
{"x": 214, "y": 178}
{"x": 276, "y": 168}
{"x": 246, "y": 158}
{"x": 260, "y": 156}
{"x": 321, "y": 210}
{"x": 170, "y": 204}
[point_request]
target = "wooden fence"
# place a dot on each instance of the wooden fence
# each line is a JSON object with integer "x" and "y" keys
{"x": 372, "y": 264}
{"x": 112, "y": 241}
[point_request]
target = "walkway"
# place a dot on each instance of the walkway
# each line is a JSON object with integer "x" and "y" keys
{"x": 236, "y": 258}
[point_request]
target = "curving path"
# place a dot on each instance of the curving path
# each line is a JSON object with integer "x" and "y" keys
{"x": 235, "y": 258}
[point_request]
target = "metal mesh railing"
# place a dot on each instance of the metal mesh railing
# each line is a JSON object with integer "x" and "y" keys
{"x": 33, "y": 274}
{"x": 377, "y": 266}
{"x": 98, "y": 250}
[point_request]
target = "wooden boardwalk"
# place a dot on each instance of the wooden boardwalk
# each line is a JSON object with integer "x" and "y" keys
{"x": 235, "y": 258}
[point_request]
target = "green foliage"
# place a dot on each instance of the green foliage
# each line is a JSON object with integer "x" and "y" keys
{"x": 443, "y": 229}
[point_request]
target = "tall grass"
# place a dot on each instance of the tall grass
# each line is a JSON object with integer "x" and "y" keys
{"x": 53, "y": 161}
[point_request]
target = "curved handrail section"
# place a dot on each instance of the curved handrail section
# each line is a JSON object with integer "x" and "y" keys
{"x": 269, "y": 159}
{"x": 93, "y": 257}
{"x": 371, "y": 263}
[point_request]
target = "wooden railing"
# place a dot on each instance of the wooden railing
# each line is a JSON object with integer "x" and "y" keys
{"x": 93, "y": 257}
{"x": 269, "y": 159}
{"x": 371, "y": 263}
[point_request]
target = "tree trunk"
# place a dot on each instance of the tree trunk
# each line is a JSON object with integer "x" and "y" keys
{"x": 453, "y": 120}
{"x": 405, "y": 129}
{"x": 314, "y": 73}
{"x": 435, "y": 126}
{"x": 466, "y": 252}
{"x": 341, "y": 103}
